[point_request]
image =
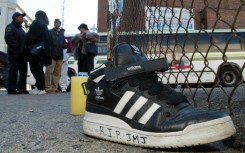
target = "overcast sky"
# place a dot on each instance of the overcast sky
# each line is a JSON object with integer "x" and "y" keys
{"x": 76, "y": 12}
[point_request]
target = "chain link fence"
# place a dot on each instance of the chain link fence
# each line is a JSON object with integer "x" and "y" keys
{"x": 203, "y": 40}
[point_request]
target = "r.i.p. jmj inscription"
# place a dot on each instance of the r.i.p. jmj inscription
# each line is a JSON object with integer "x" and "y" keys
{"x": 119, "y": 135}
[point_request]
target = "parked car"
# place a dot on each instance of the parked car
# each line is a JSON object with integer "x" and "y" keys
{"x": 3, "y": 70}
{"x": 72, "y": 70}
{"x": 30, "y": 79}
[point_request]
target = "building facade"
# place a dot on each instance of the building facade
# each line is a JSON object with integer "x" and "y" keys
{"x": 207, "y": 14}
{"x": 7, "y": 9}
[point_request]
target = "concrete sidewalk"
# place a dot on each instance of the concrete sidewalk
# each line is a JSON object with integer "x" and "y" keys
{"x": 42, "y": 123}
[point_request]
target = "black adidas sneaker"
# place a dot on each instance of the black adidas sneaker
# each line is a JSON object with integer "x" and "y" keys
{"x": 126, "y": 103}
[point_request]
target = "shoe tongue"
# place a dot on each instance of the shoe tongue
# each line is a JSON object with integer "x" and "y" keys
{"x": 126, "y": 53}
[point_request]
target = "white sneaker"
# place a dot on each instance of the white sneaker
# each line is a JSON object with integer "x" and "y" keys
{"x": 42, "y": 92}
{"x": 33, "y": 90}
{"x": 63, "y": 90}
{"x": 38, "y": 92}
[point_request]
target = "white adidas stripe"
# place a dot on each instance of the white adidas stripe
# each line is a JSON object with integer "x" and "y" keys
{"x": 141, "y": 101}
{"x": 123, "y": 101}
{"x": 98, "y": 78}
{"x": 136, "y": 107}
{"x": 149, "y": 113}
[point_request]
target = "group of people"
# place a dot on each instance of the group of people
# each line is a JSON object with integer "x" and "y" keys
{"x": 53, "y": 56}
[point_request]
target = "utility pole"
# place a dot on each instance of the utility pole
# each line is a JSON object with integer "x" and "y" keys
{"x": 63, "y": 14}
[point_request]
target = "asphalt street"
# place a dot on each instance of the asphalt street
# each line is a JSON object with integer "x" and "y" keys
{"x": 43, "y": 123}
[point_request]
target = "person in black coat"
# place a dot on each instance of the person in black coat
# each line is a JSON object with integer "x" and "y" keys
{"x": 17, "y": 57}
{"x": 53, "y": 72}
{"x": 39, "y": 32}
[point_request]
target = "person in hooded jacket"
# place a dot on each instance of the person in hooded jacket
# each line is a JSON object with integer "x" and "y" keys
{"x": 39, "y": 32}
{"x": 16, "y": 55}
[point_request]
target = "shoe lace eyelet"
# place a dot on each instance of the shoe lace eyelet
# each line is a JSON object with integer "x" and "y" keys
{"x": 140, "y": 88}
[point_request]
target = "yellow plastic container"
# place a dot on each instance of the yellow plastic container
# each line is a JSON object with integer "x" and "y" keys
{"x": 78, "y": 99}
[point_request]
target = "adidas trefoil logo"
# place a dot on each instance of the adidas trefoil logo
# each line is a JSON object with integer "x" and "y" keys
{"x": 98, "y": 93}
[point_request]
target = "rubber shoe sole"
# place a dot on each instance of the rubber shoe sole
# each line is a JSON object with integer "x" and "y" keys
{"x": 113, "y": 129}
{"x": 38, "y": 92}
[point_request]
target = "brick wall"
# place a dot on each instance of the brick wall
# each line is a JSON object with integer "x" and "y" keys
{"x": 102, "y": 15}
{"x": 225, "y": 19}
